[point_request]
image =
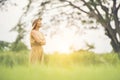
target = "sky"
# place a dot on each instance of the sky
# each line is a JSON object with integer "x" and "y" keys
{"x": 61, "y": 42}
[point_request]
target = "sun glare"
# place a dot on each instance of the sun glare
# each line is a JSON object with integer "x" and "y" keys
{"x": 60, "y": 42}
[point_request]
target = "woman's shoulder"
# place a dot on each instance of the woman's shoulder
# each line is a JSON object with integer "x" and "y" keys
{"x": 34, "y": 32}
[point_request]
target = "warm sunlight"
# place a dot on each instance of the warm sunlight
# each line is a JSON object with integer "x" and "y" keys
{"x": 64, "y": 41}
{"x": 60, "y": 42}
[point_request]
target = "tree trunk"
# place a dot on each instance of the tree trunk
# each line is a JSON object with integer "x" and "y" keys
{"x": 114, "y": 41}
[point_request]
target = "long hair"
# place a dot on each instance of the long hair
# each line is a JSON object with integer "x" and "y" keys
{"x": 34, "y": 24}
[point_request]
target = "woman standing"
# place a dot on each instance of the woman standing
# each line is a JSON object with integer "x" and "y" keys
{"x": 37, "y": 40}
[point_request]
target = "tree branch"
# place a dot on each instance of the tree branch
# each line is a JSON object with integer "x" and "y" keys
{"x": 77, "y": 7}
{"x": 115, "y": 16}
{"x": 90, "y": 8}
{"x": 104, "y": 8}
{"x": 118, "y": 7}
{"x": 19, "y": 22}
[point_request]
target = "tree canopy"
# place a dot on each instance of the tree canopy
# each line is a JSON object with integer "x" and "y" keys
{"x": 104, "y": 12}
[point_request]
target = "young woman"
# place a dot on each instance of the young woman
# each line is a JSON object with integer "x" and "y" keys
{"x": 37, "y": 40}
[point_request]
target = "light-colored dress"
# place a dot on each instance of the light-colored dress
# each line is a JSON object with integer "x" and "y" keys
{"x": 36, "y": 54}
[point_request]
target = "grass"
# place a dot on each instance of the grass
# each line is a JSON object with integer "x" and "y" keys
{"x": 43, "y": 72}
{"x": 82, "y": 65}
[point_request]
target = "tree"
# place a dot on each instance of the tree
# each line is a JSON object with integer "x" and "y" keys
{"x": 105, "y": 12}
{"x": 105, "y": 15}
{"x": 20, "y": 27}
{"x": 4, "y": 45}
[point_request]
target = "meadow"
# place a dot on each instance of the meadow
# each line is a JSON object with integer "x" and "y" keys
{"x": 80, "y": 65}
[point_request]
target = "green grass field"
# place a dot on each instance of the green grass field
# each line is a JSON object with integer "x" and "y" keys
{"x": 81, "y": 65}
{"x": 43, "y": 72}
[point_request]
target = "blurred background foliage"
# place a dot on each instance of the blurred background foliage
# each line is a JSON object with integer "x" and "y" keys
{"x": 82, "y": 57}
{"x": 96, "y": 12}
{"x": 17, "y": 53}
{"x": 7, "y": 46}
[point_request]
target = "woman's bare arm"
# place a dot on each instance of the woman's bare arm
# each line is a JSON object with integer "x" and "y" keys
{"x": 38, "y": 38}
